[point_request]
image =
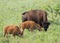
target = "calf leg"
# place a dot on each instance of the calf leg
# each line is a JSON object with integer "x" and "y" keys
{"x": 39, "y": 29}
{"x": 5, "y": 33}
{"x": 31, "y": 29}
{"x": 13, "y": 35}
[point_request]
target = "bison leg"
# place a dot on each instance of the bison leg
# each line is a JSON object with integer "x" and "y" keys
{"x": 31, "y": 29}
{"x": 13, "y": 35}
{"x": 39, "y": 29}
{"x": 5, "y": 33}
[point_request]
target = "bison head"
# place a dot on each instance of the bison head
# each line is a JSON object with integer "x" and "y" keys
{"x": 46, "y": 25}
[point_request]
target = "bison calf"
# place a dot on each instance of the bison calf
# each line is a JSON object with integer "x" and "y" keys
{"x": 11, "y": 29}
{"x": 29, "y": 25}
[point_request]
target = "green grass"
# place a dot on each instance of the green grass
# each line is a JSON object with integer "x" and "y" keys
{"x": 10, "y": 13}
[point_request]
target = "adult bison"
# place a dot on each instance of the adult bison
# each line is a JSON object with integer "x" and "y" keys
{"x": 38, "y": 16}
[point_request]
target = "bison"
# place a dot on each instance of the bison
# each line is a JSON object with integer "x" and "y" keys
{"x": 38, "y": 16}
{"x": 30, "y": 25}
{"x": 11, "y": 29}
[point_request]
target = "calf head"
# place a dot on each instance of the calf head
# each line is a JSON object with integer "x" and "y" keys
{"x": 38, "y": 27}
{"x": 18, "y": 31}
{"x": 21, "y": 29}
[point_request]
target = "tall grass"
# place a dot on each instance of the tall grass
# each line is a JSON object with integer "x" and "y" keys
{"x": 10, "y": 13}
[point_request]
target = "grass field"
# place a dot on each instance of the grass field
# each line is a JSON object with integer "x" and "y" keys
{"x": 10, "y": 13}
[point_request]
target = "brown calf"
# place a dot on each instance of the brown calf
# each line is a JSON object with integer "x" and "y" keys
{"x": 29, "y": 25}
{"x": 11, "y": 29}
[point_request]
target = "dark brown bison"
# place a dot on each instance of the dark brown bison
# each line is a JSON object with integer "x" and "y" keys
{"x": 30, "y": 25}
{"x": 11, "y": 29}
{"x": 38, "y": 16}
